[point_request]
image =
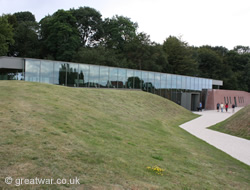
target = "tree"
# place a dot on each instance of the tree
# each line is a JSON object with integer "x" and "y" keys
{"x": 210, "y": 63}
{"x": 99, "y": 56}
{"x": 89, "y": 24}
{"x": 26, "y": 40}
{"x": 24, "y": 17}
{"x": 59, "y": 36}
{"x": 180, "y": 56}
{"x": 6, "y": 35}
{"x": 242, "y": 49}
{"x": 25, "y": 35}
{"x": 137, "y": 51}
{"x": 118, "y": 31}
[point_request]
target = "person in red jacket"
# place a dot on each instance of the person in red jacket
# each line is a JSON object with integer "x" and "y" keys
{"x": 226, "y": 106}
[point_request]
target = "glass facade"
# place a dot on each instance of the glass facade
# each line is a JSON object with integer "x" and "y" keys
{"x": 83, "y": 75}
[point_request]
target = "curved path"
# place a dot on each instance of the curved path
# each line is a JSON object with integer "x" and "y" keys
{"x": 236, "y": 147}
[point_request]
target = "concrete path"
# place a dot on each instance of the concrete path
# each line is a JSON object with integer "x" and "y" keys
{"x": 238, "y": 148}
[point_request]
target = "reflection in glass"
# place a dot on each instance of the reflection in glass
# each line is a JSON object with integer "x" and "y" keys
{"x": 104, "y": 77}
{"x": 72, "y": 75}
{"x": 210, "y": 84}
{"x": 183, "y": 82}
{"x": 94, "y": 73}
{"x": 192, "y": 83}
{"x": 83, "y": 75}
{"x": 59, "y": 73}
{"x": 169, "y": 81}
{"x": 163, "y": 85}
{"x": 188, "y": 84}
{"x": 113, "y": 77}
{"x": 137, "y": 79}
{"x": 200, "y": 84}
{"x": 174, "y": 81}
{"x": 196, "y": 82}
{"x": 206, "y": 83}
{"x": 144, "y": 80}
{"x": 130, "y": 80}
{"x": 157, "y": 83}
{"x": 178, "y": 82}
{"x": 122, "y": 78}
{"x": 47, "y": 68}
{"x": 32, "y": 70}
{"x": 151, "y": 82}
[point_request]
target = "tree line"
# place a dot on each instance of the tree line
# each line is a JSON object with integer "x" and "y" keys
{"x": 82, "y": 35}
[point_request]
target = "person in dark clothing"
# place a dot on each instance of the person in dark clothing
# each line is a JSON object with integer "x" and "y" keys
{"x": 218, "y": 107}
{"x": 233, "y": 106}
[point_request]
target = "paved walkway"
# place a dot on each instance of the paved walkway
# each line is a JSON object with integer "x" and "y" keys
{"x": 238, "y": 148}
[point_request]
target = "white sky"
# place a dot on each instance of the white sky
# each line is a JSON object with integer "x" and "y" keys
{"x": 199, "y": 22}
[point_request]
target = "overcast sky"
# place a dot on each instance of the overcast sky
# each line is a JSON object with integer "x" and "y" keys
{"x": 199, "y": 22}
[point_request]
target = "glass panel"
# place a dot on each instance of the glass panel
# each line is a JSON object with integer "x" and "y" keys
{"x": 203, "y": 83}
{"x": 137, "y": 79}
{"x": 169, "y": 81}
{"x": 207, "y": 83}
{"x": 174, "y": 87}
{"x": 188, "y": 87}
{"x": 94, "y": 74}
{"x": 183, "y": 82}
{"x": 210, "y": 84}
{"x": 122, "y": 78}
{"x": 192, "y": 84}
{"x": 59, "y": 73}
{"x": 174, "y": 81}
{"x": 130, "y": 81}
{"x": 144, "y": 80}
{"x": 104, "y": 77}
{"x": 178, "y": 82}
{"x": 200, "y": 84}
{"x": 72, "y": 74}
{"x": 47, "y": 71}
{"x": 113, "y": 77}
{"x": 196, "y": 83}
{"x": 151, "y": 82}
{"x": 32, "y": 70}
{"x": 164, "y": 85}
{"x": 83, "y": 75}
{"x": 157, "y": 83}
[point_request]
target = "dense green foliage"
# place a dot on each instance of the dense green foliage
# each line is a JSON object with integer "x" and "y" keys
{"x": 6, "y": 35}
{"x": 82, "y": 35}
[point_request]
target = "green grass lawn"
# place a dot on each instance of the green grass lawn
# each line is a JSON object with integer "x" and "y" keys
{"x": 106, "y": 138}
{"x": 237, "y": 125}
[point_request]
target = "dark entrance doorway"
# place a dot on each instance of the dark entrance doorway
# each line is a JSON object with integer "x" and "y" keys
{"x": 195, "y": 101}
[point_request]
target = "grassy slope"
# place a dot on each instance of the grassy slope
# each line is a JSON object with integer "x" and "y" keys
{"x": 237, "y": 125}
{"x": 106, "y": 138}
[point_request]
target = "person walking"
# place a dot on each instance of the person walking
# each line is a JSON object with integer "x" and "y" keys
{"x": 218, "y": 107}
{"x": 221, "y": 106}
{"x": 200, "y": 108}
{"x": 226, "y": 106}
{"x": 233, "y": 106}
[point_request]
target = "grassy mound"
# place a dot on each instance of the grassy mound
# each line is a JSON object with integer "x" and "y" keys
{"x": 237, "y": 125}
{"x": 108, "y": 139}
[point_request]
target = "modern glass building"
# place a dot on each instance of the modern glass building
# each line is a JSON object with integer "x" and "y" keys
{"x": 183, "y": 90}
